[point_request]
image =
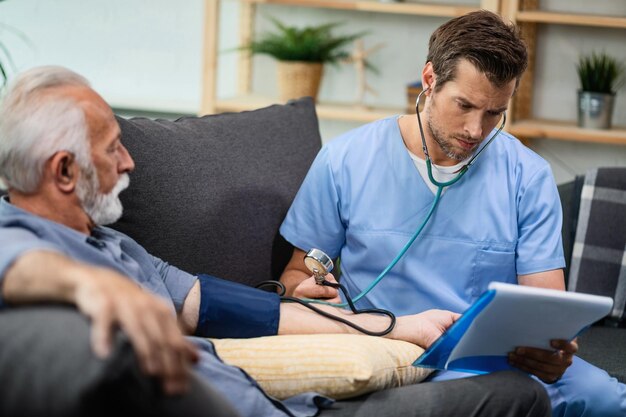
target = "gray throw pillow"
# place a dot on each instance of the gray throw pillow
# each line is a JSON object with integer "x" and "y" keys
{"x": 208, "y": 194}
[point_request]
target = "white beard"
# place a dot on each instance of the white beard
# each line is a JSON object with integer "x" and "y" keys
{"x": 101, "y": 208}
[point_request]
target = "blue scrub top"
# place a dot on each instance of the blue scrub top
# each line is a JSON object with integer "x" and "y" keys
{"x": 363, "y": 199}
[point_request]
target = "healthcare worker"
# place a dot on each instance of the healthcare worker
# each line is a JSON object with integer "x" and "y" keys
{"x": 369, "y": 190}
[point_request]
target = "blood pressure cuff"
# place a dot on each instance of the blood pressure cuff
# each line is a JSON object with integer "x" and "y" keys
{"x": 232, "y": 310}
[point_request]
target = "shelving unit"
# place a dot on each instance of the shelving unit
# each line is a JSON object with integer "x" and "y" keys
{"x": 527, "y": 15}
{"x": 245, "y": 100}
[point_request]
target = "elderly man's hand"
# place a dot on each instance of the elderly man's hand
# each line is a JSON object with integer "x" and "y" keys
{"x": 111, "y": 300}
{"x": 424, "y": 328}
{"x": 546, "y": 365}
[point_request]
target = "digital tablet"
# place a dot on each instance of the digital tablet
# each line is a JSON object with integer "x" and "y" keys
{"x": 507, "y": 316}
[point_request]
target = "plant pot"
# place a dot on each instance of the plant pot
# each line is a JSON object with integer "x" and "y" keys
{"x": 299, "y": 79}
{"x": 595, "y": 110}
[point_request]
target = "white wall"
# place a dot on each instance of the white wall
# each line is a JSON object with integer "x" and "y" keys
{"x": 147, "y": 54}
{"x": 137, "y": 53}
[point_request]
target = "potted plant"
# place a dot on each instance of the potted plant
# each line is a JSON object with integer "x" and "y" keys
{"x": 301, "y": 54}
{"x": 600, "y": 77}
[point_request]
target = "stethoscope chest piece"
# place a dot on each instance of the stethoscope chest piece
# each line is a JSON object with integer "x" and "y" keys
{"x": 319, "y": 264}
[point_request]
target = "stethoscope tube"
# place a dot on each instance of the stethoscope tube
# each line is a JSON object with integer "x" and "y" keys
{"x": 308, "y": 304}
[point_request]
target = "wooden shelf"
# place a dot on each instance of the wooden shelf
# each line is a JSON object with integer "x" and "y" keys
{"x": 537, "y": 16}
{"x": 210, "y": 103}
{"x": 328, "y": 111}
{"x": 524, "y": 12}
{"x": 547, "y": 129}
{"x": 422, "y": 9}
{"x": 523, "y": 122}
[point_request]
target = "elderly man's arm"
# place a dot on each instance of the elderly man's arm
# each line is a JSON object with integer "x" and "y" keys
{"x": 109, "y": 300}
{"x": 421, "y": 329}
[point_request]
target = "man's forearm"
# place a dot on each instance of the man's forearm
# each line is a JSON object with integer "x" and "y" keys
{"x": 421, "y": 329}
{"x": 39, "y": 276}
{"x": 297, "y": 319}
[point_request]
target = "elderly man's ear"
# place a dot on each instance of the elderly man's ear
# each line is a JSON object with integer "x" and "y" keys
{"x": 65, "y": 171}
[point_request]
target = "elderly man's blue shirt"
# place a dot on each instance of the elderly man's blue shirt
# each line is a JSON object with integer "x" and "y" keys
{"x": 21, "y": 232}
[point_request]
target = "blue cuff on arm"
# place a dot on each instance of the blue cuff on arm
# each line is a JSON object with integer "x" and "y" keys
{"x": 232, "y": 310}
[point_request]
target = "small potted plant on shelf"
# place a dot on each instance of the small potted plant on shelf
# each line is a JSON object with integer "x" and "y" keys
{"x": 301, "y": 54}
{"x": 600, "y": 76}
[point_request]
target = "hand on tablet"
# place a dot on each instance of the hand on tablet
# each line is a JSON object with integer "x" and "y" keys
{"x": 547, "y": 365}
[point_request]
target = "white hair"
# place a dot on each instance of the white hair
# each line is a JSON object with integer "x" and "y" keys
{"x": 35, "y": 124}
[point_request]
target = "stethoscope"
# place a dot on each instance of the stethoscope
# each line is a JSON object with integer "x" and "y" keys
{"x": 320, "y": 264}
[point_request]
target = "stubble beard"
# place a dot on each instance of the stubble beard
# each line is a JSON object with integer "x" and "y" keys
{"x": 445, "y": 144}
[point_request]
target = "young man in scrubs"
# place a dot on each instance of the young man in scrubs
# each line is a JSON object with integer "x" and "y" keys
{"x": 369, "y": 190}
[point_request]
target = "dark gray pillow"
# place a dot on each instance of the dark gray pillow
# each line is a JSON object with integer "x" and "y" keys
{"x": 208, "y": 194}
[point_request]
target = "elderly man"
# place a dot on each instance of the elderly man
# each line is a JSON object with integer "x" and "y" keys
{"x": 63, "y": 161}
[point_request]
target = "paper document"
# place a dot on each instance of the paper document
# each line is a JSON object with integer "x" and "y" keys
{"x": 507, "y": 316}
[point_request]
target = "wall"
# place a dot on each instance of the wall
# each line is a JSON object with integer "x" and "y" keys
{"x": 147, "y": 55}
{"x": 144, "y": 54}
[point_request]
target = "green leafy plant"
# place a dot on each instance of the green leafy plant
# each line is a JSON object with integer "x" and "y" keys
{"x": 5, "y": 58}
{"x": 600, "y": 73}
{"x": 3, "y": 71}
{"x": 309, "y": 44}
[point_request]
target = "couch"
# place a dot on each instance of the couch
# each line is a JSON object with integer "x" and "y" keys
{"x": 207, "y": 197}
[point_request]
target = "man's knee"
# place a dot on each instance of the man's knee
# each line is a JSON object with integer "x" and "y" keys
{"x": 531, "y": 394}
{"x": 514, "y": 393}
{"x": 586, "y": 389}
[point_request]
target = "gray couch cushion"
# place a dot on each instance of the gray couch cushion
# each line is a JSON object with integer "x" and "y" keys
{"x": 605, "y": 347}
{"x": 209, "y": 193}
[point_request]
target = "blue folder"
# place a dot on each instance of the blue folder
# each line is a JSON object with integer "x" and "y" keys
{"x": 507, "y": 316}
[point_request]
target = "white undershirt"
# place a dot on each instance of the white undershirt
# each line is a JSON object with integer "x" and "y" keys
{"x": 440, "y": 173}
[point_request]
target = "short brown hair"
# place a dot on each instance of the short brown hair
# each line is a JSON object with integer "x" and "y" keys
{"x": 494, "y": 47}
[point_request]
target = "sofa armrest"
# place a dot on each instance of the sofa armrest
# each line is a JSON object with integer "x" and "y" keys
{"x": 48, "y": 368}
